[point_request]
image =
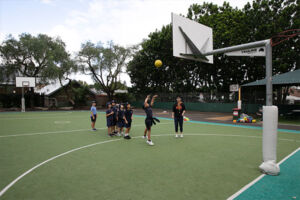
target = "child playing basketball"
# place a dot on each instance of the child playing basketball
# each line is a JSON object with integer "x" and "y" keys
{"x": 149, "y": 118}
{"x": 93, "y": 115}
{"x": 109, "y": 119}
{"x": 128, "y": 116}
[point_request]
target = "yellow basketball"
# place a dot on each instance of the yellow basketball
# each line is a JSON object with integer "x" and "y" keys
{"x": 158, "y": 63}
{"x": 253, "y": 120}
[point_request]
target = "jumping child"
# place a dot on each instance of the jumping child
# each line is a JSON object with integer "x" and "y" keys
{"x": 128, "y": 116}
{"x": 149, "y": 118}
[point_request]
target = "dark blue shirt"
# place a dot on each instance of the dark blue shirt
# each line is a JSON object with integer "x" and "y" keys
{"x": 115, "y": 109}
{"x": 148, "y": 111}
{"x": 121, "y": 115}
{"x": 128, "y": 115}
{"x": 110, "y": 117}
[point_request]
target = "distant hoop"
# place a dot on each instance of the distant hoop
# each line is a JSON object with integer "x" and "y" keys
{"x": 25, "y": 82}
{"x": 283, "y": 36}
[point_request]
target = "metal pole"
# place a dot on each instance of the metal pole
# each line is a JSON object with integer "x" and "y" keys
{"x": 237, "y": 47}
{"x": 23, "y": 101}
{"x": 269, "y": 88}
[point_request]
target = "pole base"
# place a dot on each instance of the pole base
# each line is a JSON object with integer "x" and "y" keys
{"x": 270, "y": 168}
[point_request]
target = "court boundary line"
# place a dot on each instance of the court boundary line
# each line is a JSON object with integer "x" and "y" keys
{"x": 52, "y": 132}
{"x": 7, "y": 187}
{"x": 246, "y": 187}
{"x": 192, "y": 121}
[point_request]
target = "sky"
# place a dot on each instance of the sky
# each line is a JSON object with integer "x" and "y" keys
{"x": 126, "y": 22}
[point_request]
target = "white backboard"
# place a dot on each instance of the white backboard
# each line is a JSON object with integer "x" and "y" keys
{"x": 25, "y": 81}
{"x": 234, "y": 88}
{"x": 200, "y": 35}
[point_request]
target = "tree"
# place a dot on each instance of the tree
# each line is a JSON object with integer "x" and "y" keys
{"x": 42, "y": 57}
{"x": 104, "y": 63}
{"x": 258, "y": 20}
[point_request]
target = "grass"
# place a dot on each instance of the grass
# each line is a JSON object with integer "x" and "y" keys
{"x": 210, "y": 162}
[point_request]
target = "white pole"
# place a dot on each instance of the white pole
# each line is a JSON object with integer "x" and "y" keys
{"x": 23, "y": 101}
{"x": 239, "y": 104}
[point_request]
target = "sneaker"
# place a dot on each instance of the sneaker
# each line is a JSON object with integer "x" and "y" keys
{"x": 150, "y": 142}
{"x": 118, "y": 134}
{"x": 176, "y": 136}
{"x": 94, "y": 129}
{"x": 145, "y": 137}
{"x": 127, "y": 137}
{"x": 181, "y": 135}
{"x": 110, "y": 135}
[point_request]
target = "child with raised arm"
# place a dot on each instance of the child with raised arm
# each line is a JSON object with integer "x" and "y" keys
{"x": 149, "y": 118}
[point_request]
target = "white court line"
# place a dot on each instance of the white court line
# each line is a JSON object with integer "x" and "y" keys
{"x": 39, "y": 116}
{"x": 103, "y": 142}
{"x": 258, "y": 178}
{"x": 69, "y": 131}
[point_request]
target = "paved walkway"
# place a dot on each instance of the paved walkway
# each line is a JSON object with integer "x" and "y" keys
{"x": 212, "y": 117}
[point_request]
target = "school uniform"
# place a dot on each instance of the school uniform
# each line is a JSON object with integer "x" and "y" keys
{"x": 178, "y": 109}
{"x": 109, "y": 119}
{"x": 114, "y": 116}
{"x": 121, "y": 121}
{"x": 149, "y": 117}
{"x": 128, "y": 116}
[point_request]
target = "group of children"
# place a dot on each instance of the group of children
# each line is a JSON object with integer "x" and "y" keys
{"x": 119, "y": 116}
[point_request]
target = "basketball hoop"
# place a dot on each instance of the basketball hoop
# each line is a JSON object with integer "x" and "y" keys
{"x": 283, "y": 36}
{"x": 24, "y": 82}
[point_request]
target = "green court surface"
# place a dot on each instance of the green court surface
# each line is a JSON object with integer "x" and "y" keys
{"x": 285, "y": 186}
{"x": 54, "y": 155}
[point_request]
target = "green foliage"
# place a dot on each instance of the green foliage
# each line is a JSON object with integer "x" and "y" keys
{"x": 80, "y": 93}
{"x": 104, "y": 63}
{"x": 41, "y": 56}
{"x": 259, "y": 20}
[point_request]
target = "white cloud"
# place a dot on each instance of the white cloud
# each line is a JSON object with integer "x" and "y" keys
{"x": 46, "y": 1}
{"x": 126, "y": 22}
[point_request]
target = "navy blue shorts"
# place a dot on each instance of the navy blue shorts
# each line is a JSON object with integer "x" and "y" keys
{"x": 114, "y": 122}
{"x": 148, "y": 123}
{"x": 95, "y": 118}
{"x": 128, "y": 125}
{"x": 109, "y": 123}
{"x": 120, "y": 124}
